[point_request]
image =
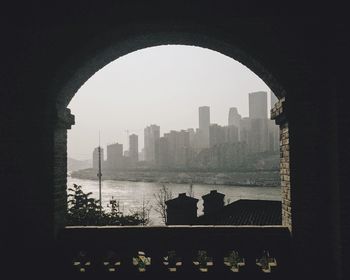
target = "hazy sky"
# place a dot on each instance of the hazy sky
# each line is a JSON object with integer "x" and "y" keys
{"x": 161, "y": 85}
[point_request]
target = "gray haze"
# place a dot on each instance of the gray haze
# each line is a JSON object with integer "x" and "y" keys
{"x": 161, "y": 85}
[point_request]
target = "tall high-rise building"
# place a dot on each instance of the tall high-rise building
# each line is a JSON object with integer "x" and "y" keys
{"x": 245, "y": 127}
{"x": 258, "y": 140}
{"x": 232, "y": 134}
{"x": 162, "y": 156}
{"x": 217, "y": 135}
{"x": 204, "y": 123}
{"x": 134, "y": 148}
{"x": 95, "y": 158}
{"x": 151, "y": 136}
{"x": 142, "y": 155}
{"x": 191, "y": 134}
{"x": 234, "y": 119}
{"x": 173, "y": 149}
{"x": 258, "y": 105}
{"x": 115, "y": 156}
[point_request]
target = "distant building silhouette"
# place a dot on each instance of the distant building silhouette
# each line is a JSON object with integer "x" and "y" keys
{"x": 217, "y": 135}
{"x": 234, "y": 119}
{"x": 115, "y": 156}
{"x": 95, "y": 158}
{"x": 133, "y": 148}
{"x": 204, "y": 123}
{"x": 258, "y": 105}
{"x": 222, "y": 134}
{"x": 245, "y": 127}
{"x": 231, "y": 134}
{"x": 151, "y": 136}
{"x": 172, "y": 150}
{"x": 142, "y": 155}
{"x": 211, "y": 146}
{"x": 258, "y": 140}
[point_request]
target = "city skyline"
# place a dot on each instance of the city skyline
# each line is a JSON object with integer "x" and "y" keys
{"x": 231, "y": 121}
{"x": 166, "y": 84}
{"x": 210, "y": 144}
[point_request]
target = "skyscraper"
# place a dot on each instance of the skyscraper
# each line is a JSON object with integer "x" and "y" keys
{"x": 245, "y": 127}
{"x": 151, "y": 136}
{"x": 204, "y": 123}
{"x": 115, "y": 156}
{"x": 258, "y": 105}
{"x": 173, "y": 149}
{"x": 232, "y": 134}
{"x": 134, "y": 148}
{"x": 258, "y": 141}
{"x": 217, "y": 135}
{"x": 234, "y": 119}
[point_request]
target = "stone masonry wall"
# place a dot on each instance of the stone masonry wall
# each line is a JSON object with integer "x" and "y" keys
{"x": 285, "y": 176}
{"x": 278, "y": 113}
{"x": 64, "y": 121}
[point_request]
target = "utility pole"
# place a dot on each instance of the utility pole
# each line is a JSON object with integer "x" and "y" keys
{"x": 99, "y": 174}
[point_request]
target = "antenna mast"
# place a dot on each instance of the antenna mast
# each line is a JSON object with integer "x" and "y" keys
{"x": 99, "y": 174}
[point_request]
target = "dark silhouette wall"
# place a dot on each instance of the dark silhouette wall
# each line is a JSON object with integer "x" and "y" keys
{"x": 49, "y": 52}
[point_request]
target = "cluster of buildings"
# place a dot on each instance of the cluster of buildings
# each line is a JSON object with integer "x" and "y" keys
{"x": 210, "y": 145}
{"x": 182, "y": 210}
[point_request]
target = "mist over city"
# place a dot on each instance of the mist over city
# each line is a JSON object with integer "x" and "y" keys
{"x": 161, "y": 127}
{"x": 162, "y": 85}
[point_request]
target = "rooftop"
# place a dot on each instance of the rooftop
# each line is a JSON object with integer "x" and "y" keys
{"x": 245, "y": 212}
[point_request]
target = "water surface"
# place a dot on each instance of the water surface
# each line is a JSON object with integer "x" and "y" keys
{"x": 132, "y": 194}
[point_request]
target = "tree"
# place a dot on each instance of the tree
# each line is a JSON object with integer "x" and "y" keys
{"x": 142, "y": 212}
{"x": 161, "y": 197}
{"x": 83, "y": 210}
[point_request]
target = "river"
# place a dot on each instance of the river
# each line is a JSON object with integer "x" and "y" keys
{"x": 131, "y": 194}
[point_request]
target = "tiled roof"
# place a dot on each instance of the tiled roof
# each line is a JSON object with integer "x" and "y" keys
{"x": 245, "y": 212}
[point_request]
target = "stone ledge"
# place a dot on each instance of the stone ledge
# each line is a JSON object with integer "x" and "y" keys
{"x": 64, "y": 119}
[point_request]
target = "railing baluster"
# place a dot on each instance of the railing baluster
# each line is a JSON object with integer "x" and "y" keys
{"x": 205, "y": 252}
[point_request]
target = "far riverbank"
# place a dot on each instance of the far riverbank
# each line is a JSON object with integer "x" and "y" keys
{"x": 249, "y": 178}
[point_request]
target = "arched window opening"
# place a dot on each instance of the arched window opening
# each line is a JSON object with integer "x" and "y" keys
{"x": 181, "y": 135}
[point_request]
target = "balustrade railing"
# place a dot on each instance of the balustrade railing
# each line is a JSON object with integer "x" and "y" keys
{"x": 206, "y": 252}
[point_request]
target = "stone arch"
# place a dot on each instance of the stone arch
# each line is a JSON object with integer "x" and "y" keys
{"x": 111, "y": 45}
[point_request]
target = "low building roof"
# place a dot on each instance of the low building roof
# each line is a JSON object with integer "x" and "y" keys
{"x": 245, "y": 212}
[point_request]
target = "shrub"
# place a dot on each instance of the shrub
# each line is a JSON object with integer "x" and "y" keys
{"x": 85, "y": 211}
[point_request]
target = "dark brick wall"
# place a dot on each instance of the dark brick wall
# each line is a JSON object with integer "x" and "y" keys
{"x": 64, "y": 121}
{"x": 278, "y": 113}
{"x": 49, "y": 52}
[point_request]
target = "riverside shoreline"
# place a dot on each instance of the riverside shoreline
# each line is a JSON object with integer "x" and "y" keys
{"x": 249, "y": 178}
